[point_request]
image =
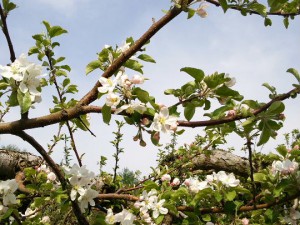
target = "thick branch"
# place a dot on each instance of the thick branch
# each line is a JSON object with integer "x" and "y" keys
{"x": 13, "y": 161}
{"x": 221, "y": 160}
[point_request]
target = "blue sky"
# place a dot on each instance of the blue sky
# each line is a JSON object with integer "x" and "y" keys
{"x": 231, "y": 43}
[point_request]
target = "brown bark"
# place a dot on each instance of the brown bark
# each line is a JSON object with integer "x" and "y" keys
{"x": 13, "y": 161}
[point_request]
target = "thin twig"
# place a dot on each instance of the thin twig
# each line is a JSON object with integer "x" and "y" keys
{"x": 249, "y": 143}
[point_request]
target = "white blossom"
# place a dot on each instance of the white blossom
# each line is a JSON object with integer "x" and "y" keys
{"x": 17, "y": 69}
{"x": 51, "y": 176}
{"x": 87, "y": 197}
{"x": 112, "y": 99}
{"x": 228, "y": 180}
{"x": 132, "y": 107}
{"x": 7, "y": 189}
{"x": 45, "y": 219}
{"x": 158, "y": 208}
{"x": 110, "y": 217}
{"x": 125, "y": 217}
{"x": 163, "y": 121}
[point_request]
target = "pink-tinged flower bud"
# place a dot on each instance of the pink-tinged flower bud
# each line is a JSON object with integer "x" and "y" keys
{"x": 245, "y": 221}
{"x": 138, "y": 79}
{"x": 175, "y": 182}
{"x": 137, "y": 205}
{"x": 51, "y": 176}
{"x": 173, "y": 127}
{"x": 231, "y": 113}
{"x": 296, "y": 147}
{"x": 161, "y": 105}
{"x": 187, "y": 182}
{"x": 166, "y": 177}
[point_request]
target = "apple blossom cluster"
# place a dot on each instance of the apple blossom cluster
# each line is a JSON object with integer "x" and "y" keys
{"x": 25, "y": 75}
{"x": 125, "y": 217}
{"x": 81, "y": 180}
{"x": 227, "y": 180}
{"x": 284, "y": 167}
{"x": 149, "y": 203}
{"x": 122, "y": 84}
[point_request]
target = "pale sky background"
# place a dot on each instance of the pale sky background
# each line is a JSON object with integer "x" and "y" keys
{"x": 231, "y": 43}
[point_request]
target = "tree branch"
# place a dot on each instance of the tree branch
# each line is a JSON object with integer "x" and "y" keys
{"x": 6, "y": 33}
{"x": 216, "y": 3}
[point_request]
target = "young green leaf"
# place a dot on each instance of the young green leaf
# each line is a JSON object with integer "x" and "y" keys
{"x": 56, "y": 31}
{"x": 106, "y": 113}
{"x": 295, "y": 73}
{"x": 146, "y": 58}
{"x": 189, "y": 111}
{"x": 197, "y": 74}
{"x": 92, "y": 66}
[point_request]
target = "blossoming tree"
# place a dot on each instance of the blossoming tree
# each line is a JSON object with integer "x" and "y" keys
{"x": 193, "y": 184}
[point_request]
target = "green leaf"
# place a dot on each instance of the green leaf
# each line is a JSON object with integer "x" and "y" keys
{"x": 66, "y": 82}
{"x": 224, "y": 5}
{"x": 169, "y": 92}
{"x": 264, "y": 136}
{"x": 146, "y": 58}
{"x": 189, "y": 111}
{"x": 33, "y": 50}
{"x": 24, "y": 101}
{"x": 206, "y": 217}
{"x": 226, "y": 91}
{"x": 47, "y": 25}
{"x": 134, "y": 65}
{"x": 92, "y": 66}
{"x": 13, "y": 100}
{"x": 66, "y": 67}
{"x": 286, "y": 22}
{"x": 38, "y": 37}
{"x": 191, "y": 13}
{"x": 230, "y": 195}
{"x": 282, "y": 150}
{"x": 142, "y": 95}
{"x": 259, "y": 177}
{"x": 268, "y": 22}
{"x": 56, "y": 31}
{"x": 276, "y": 108}
{"x": 106, "y": 113}
{"x": 295, "y": 73}
{"x": 261, "y": 9}
{"x": 197, "y": 74}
